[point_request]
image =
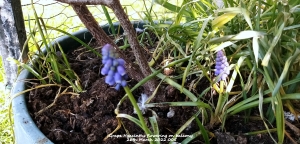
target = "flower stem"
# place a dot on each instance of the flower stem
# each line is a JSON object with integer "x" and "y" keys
{"x": 220, "y": 100}
{"x": 217, "y": 118}
{"x": 138, "y": 112}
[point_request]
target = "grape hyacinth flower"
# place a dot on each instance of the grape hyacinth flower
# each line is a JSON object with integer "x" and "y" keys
{"x": 221, "y": 65}
{"x": 114, "y": 68}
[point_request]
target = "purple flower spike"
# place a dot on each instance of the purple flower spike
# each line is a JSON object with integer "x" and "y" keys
{"x": 114, "y": 68}
{"x": 221, "y": 65}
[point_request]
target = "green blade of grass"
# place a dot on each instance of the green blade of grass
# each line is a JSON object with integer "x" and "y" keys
{"x": 291, "y": 27}
{"x": 240, "y": 36}
{"x": 64, "y": 57}
{"x": 221, "y": 20}
{"x": 238, "y": 10}
{"x": 202, "y": 130}
{"x": 267, "y": 57}
{"x": 155, "y": 72}
{"x": 78, "y": 40}
{"x": 252, "y": 102}
{"x": 76, "y": 86}
{"x": 186, "y": 124}
{"x": 293, "y": 87}
{"x": 139, "y": 113}
{"x": 131, "y": 118}
{"x": 180, "y": 12}
{"x": 221, "y": 46}
{"x": 50, "y": 49}
{"x": 195, "y": 48}
{"x": 220, "y": 39}
{"x": 260, "y": 132}
{"x": 179, "y": 48}
{"x": 200, "y": 34}
{"x": 176, "y": 85}
{"x": 29, "y": 68}
{"x": 28, "y": 90}
{"x": 192, "y": 137}
{"x": 108, "y": 18}
{"x": 154, "y": 125}
{"x": 186, "y": 71}
{"x": 260, "y": 108}
{"x": 257, "y": 19}
{"x": 172, "y": 7}
{"x": 278, "y": 107}
{"x": 279, "y": 114}
{"x": 154, "y": 92}
{"x": 163, "y": 104}
{"x": 40, "y": 28}
{"x": 285, "y": 71}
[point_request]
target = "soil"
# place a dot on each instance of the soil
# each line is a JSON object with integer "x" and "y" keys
{"x": 89, "y": 117}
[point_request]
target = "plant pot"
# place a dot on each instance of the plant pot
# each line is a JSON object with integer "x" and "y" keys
{"x": 25, "y": 129}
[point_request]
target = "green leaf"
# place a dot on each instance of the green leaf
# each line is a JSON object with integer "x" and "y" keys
{"x": 131, "y": 118}
{"x": 203, "y": 131}
{"x": 29, "y": 68}
{"x": 221, "y": 20}
{"x": 77, "y": 39}
{"x": 186, "y": 124}
{"x": 191, "y": 137}
{"x": 221, "y": 46}
{"x": 260, "y": 108}
{"x": 109, "y": 20}
{"x": 163, "y": 104}
{"x": 285, "y": 71}
{"x": 172, "y": 7}
{"x": 176, "y": 85}
{"x": 154, "y": 125}
{"x": 267, "y": 57}
{"x": 247, "y": 34}
{"x": 179, "y": 48}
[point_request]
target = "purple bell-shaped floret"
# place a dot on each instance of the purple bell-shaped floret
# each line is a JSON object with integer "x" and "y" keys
{"x": 114, "y": 68}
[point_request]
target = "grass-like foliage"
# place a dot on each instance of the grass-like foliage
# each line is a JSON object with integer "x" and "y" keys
{"x": 259, "y": 38}
{"x": 48, "y": 65}
{"x": 261, "y": 42}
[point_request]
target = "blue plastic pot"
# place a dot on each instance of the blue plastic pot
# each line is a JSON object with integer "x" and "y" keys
{"x": 26, "y": 131}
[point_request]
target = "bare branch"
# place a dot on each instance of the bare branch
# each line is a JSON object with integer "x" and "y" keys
{"x": 117, "y": 8}
{"x": 91, "y": 24}
{"x": 87, "y": 2}
{"x": 132, "y": 39}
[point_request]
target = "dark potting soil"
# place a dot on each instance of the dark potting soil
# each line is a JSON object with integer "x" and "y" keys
{"x": 90, "y": 116}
